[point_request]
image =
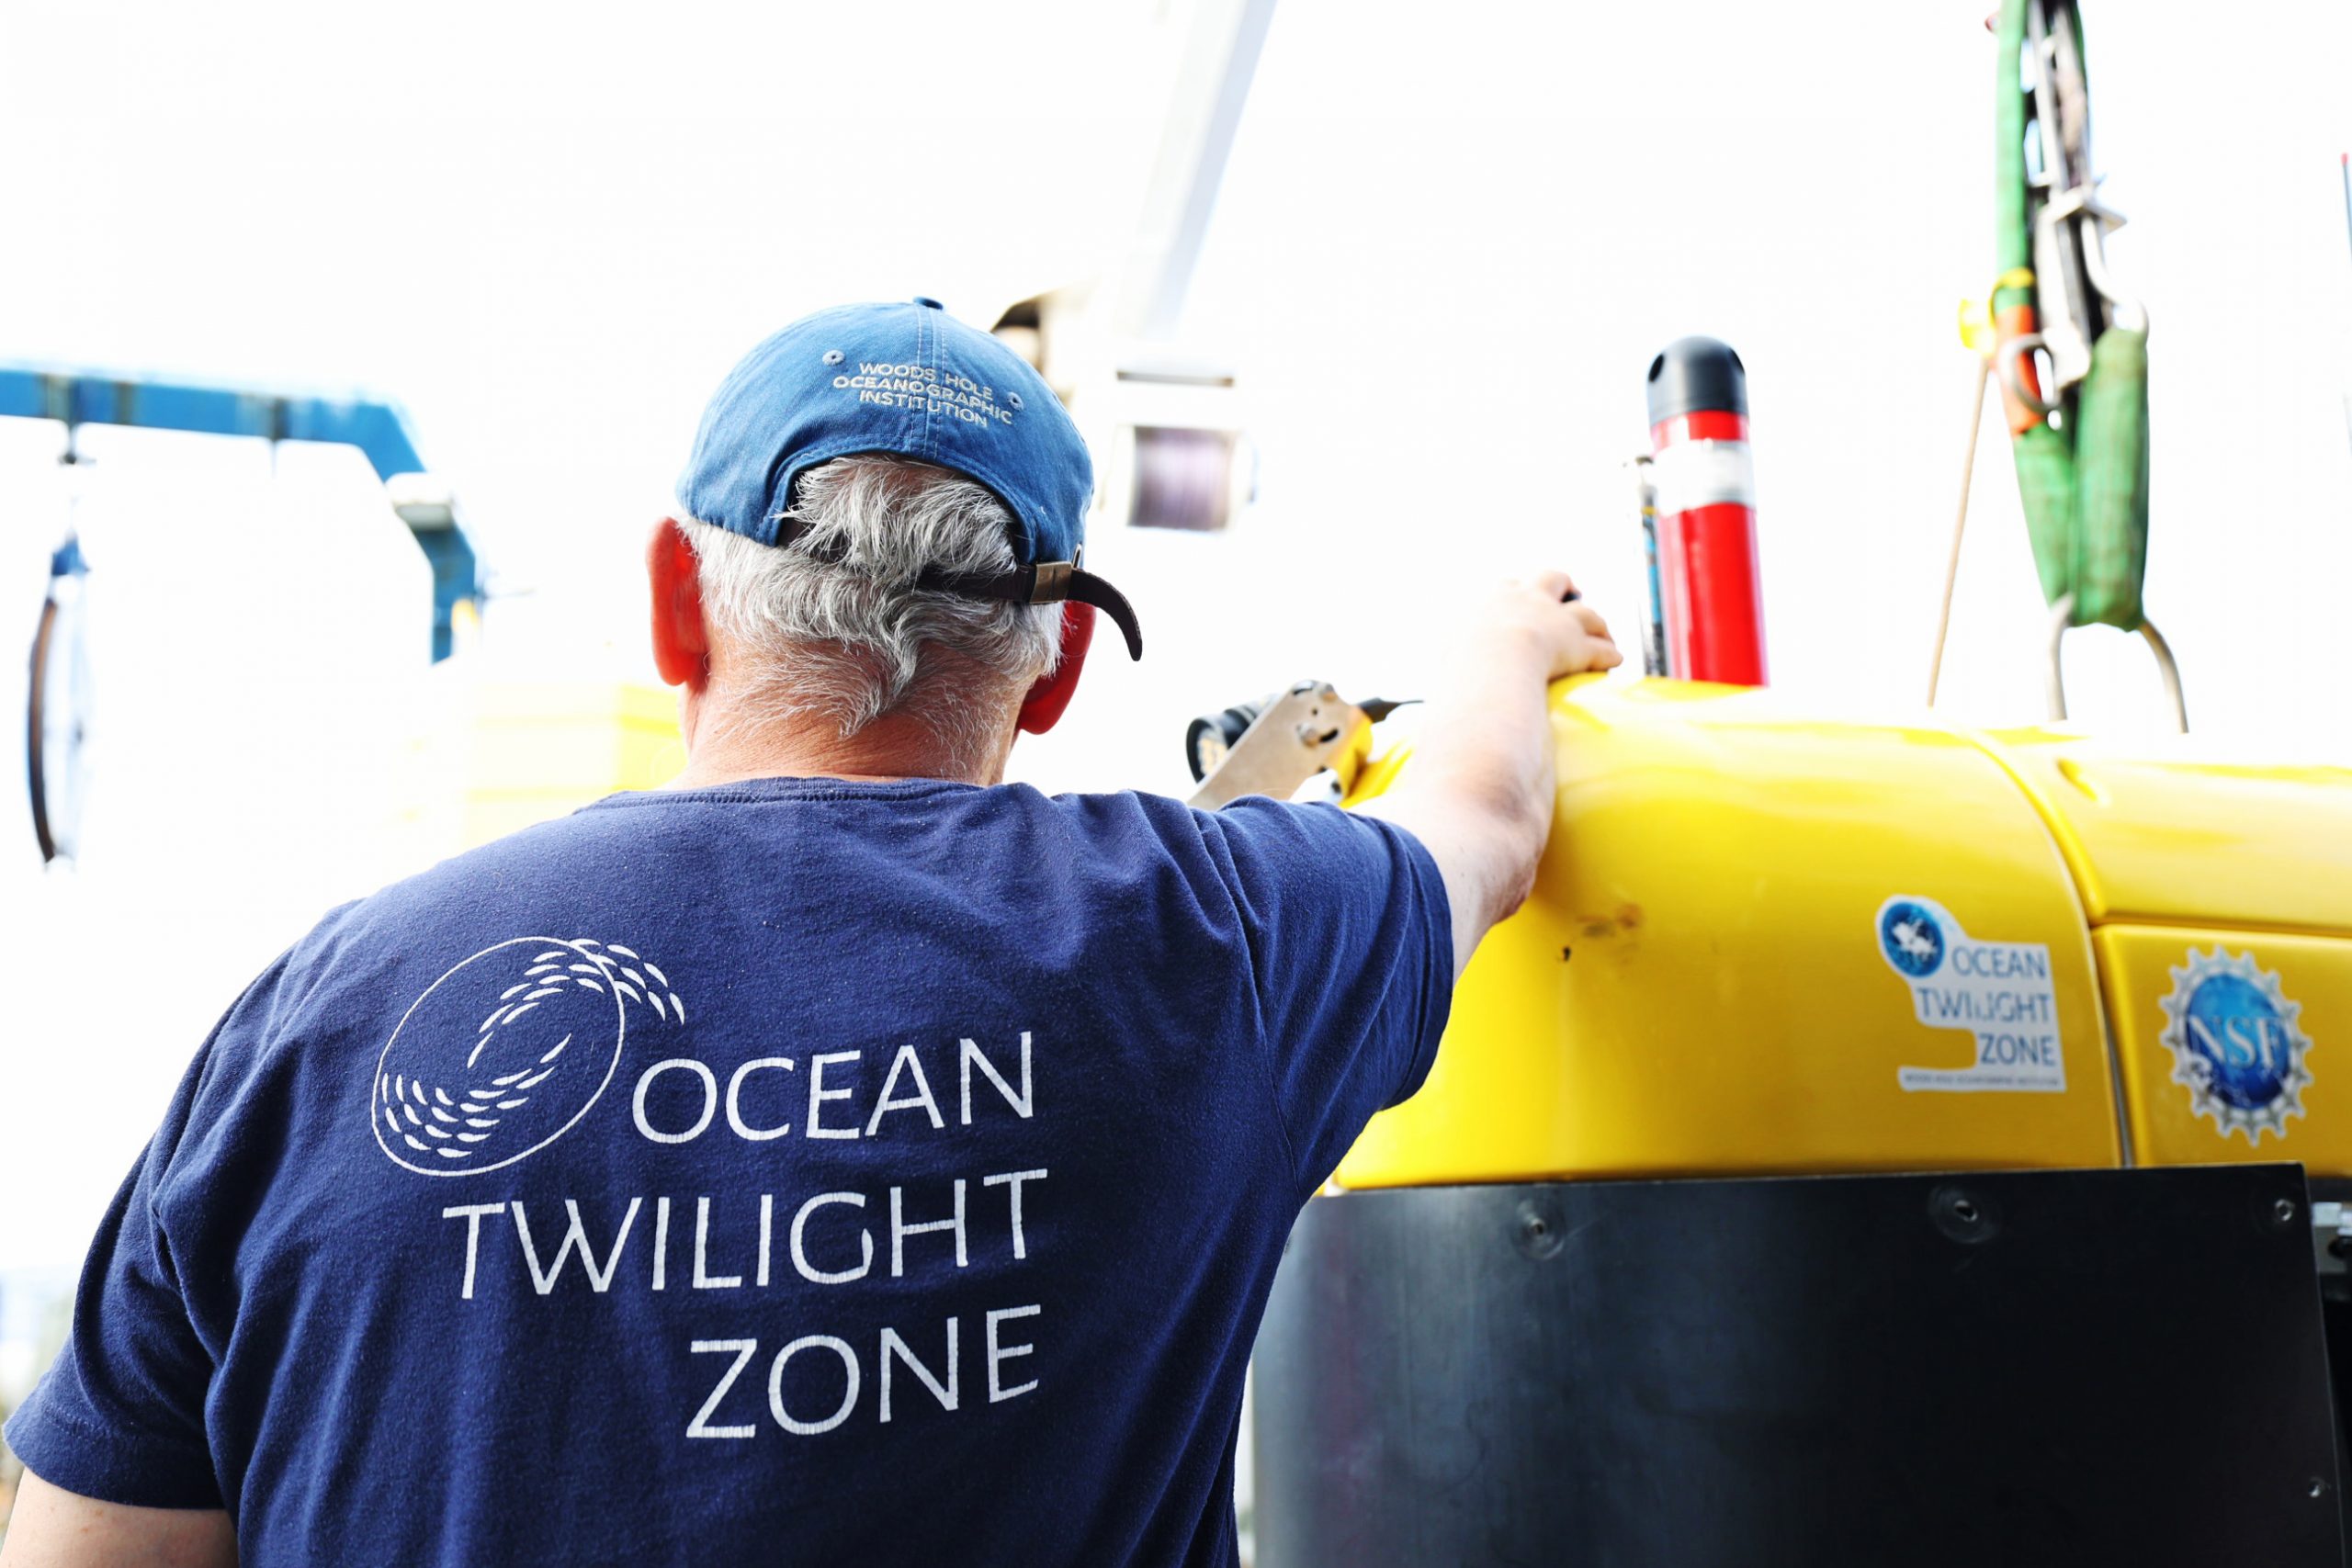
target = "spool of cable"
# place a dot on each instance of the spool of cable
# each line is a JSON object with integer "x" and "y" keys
{"x": 1183, "y": 479}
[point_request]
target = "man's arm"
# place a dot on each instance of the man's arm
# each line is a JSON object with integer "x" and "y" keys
{"x": 1478, "y": 793}
{"x": 53, "y": 1528}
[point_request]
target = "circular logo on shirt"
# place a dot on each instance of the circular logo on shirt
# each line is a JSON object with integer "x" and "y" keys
{"x": 2235, "y": 1043}
{"x": 1912, "y": 937}
{"x": 503, "y": 1054}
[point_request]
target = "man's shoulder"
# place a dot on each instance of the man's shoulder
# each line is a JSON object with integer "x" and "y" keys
{"x": 632, "y": 859}
{"x": 373, "y": 941}
{"x": 504, "y": 867}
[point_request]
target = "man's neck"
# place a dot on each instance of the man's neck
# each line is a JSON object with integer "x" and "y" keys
{"x": 891, "y": 747}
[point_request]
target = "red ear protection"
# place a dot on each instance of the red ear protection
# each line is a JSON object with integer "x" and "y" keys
{"x": 1043, "y": 708}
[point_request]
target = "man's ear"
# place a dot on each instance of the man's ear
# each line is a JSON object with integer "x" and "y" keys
{"x": 1042, "y": 708}
{"x": 681, "y": 643}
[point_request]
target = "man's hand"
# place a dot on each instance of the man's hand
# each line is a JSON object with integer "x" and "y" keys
{"x": 1570, "y": 633}
{"x": 1479, "y": 792}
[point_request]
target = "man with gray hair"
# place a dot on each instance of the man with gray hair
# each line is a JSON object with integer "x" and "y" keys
{"x": 838, "y": 1155}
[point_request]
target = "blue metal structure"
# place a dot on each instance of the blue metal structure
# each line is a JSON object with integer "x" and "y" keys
{"x": 381, "y": 431}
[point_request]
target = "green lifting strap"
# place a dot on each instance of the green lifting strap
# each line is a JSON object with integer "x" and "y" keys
{"x": 2111, "y": 482}
{"x": 2083, "y": 484}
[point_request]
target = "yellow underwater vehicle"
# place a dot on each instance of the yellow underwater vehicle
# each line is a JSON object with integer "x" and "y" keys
{"x": 1871, "y": 1144}
{"x": 2040, "y": 1027}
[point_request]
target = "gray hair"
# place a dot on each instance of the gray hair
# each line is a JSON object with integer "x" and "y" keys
{"x": 834, "y": 627}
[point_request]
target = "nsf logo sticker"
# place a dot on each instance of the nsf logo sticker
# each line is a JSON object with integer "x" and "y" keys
{"x": 1913, "y": 937}
{"x": 2235, "y": 1043}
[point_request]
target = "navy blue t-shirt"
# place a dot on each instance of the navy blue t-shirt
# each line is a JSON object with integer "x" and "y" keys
{"x": 763, "y": 1173}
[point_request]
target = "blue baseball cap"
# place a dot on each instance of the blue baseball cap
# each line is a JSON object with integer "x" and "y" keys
{"x": 910, "y": 381}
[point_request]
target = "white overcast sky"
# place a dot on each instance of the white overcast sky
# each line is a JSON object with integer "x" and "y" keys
{"x": 1449, "y": 241}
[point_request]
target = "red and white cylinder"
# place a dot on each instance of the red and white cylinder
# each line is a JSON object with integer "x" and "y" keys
{"x": 1711, "y": 592}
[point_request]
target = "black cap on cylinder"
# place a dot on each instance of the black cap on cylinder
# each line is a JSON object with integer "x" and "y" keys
{"x": 1693, "y": 374}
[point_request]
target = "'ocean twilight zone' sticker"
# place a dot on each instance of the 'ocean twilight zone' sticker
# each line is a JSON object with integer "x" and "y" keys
{"x": 2000, "y": 992}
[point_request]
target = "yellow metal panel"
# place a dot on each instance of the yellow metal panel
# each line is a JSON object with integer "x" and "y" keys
{"x": 2169, "y": 835}
{"x": 497, "y": 756}
{"x": 1697, "y": 985}
{"x": 2145, "y": 966}
{"x": 577, "y": 739}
